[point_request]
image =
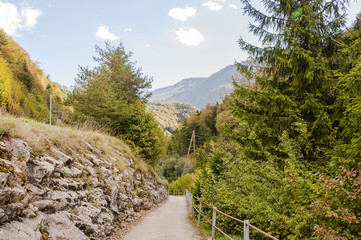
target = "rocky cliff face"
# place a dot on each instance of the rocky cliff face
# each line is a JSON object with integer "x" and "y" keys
{"x": 56, "y": 195}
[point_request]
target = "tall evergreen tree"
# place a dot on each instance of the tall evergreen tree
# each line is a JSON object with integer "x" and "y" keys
{"x": 348, "y": 151}
{"x": 295, "y": 81}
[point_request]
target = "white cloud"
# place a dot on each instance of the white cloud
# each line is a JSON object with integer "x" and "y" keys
{"x": 233, "y": 6}
{"x": 12, "y": 19}
{"x": 182, "y": 14}
{"x": 189, "y": 36}
{"x": 214, "y": 5}
{"x": 30, "y": 16}
{"x": 147, "y": 45}
{"x": 128, "y": 29}
{"x": 104, "y": 33}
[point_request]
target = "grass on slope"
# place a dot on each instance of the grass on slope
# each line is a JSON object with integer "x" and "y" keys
{"x": 42, "y": 136}
{"x": 24, "y": 88}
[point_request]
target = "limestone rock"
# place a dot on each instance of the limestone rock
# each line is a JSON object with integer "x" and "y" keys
{"x": 62, "y": 156}
{"x": 56, "y": 163}
{"x": 59, "y": 226}
{"x": 27, "y": 229}
{"x": 94, "y": 159}
{"x": 72, "y": 172}
{"x": 3, "y": 179}
{"x": 10, "y": 166}
{"x": 39, "y": 170}
{"x": 70, "y": 197}
{"x": 16, "y": 194}
{"x": 67, "y": 184}
{"x": 13, "y": 210}
{"x": 34, "y": 189}
{"x": 63, "y": 199}
{"x": 49, "y": 206}
{"x": 18, "y": 148}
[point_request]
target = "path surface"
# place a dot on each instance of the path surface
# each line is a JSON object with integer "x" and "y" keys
{"x": 168, "y": 222}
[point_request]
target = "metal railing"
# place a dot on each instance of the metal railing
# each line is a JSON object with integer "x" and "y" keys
{"x": 178, "y": 192}
{"x": 246, "y": 224}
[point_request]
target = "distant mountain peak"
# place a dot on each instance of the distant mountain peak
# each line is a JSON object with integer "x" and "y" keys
{"x": 199, "y": 91}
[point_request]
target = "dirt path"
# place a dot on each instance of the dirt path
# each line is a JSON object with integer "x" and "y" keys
{"x": 168, "y": 222}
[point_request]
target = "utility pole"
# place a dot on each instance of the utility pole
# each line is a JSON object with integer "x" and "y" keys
{"x": 193, "y": 139}
{"x": 194, "y": 149}
{"x": 51, "y": 100}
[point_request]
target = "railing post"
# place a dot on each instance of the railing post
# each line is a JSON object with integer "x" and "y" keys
{"x": 178, "y": 192}
{"x": 199, "y": 214}
{"x": 246, "y": 230}
{"x": 214, "y": 222}
{"x": 192, "y": 205}
{"x": 190, "y": 201}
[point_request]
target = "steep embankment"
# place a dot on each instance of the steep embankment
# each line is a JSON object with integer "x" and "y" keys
{"x": 61, "y": 183}
{"x": 24, "y": 88}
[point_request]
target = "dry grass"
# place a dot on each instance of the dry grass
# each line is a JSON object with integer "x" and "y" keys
{"x": 40, "y": 136}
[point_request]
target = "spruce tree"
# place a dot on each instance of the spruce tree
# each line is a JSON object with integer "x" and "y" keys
{"x": 348, "y": 152}
{"x": 294, "y": 78}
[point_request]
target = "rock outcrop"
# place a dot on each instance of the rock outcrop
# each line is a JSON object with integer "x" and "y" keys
{"x": 56, "y": 195}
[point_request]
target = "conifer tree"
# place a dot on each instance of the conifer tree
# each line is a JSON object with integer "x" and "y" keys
{"x": 113, "y": 94}
{"x": 295, "y": 81}
{"x": 347, "y": 152}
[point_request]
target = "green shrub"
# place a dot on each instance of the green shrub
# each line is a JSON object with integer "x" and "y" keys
{"x": 186, "y": 182}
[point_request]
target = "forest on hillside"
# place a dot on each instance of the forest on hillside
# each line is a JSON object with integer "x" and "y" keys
{"x": 170, "y": 114}
{"x": 283, "y": 150}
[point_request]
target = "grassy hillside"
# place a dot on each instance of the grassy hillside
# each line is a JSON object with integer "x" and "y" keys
{"x": 170, "y": 114}
{"x": 24, "y": 88}
{"x": 69, "y": 139}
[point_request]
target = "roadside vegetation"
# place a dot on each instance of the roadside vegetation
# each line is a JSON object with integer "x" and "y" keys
{"x": 283, "y": 150}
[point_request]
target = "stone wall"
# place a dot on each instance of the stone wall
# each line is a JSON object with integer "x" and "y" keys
{"x": 53, "y": 195}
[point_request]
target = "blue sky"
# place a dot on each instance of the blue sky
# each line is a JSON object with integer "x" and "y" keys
{"x": 170, "y": 40}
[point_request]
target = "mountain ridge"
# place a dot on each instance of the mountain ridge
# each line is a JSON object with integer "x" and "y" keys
{"x": 198, "y": 91}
